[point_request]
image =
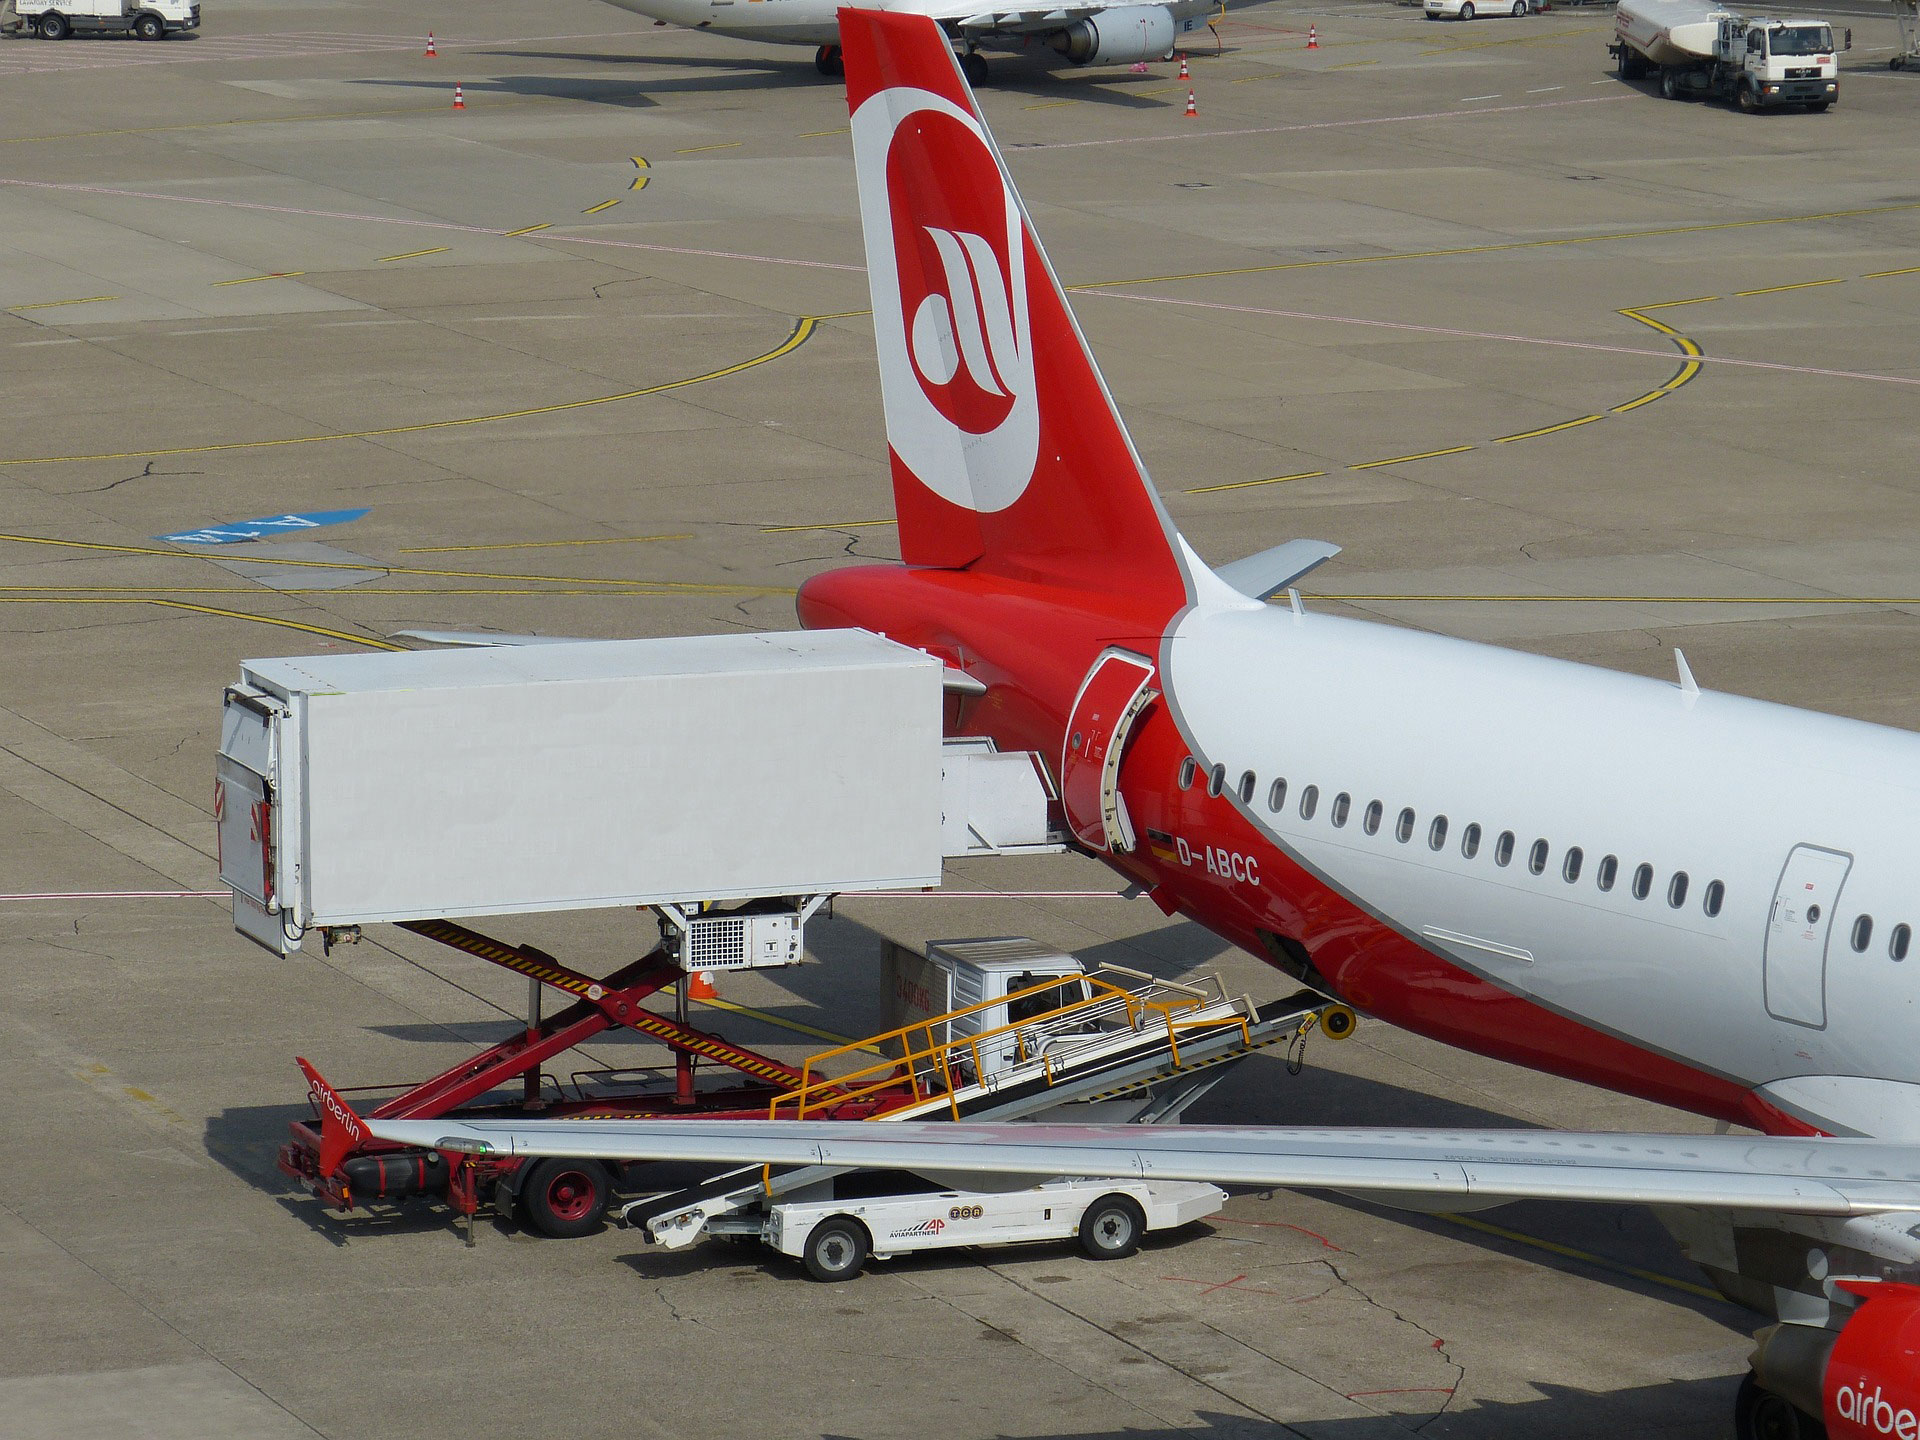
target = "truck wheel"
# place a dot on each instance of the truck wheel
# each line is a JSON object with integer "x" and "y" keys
{"x": 149, "y": 27}
{"x": 836, "y": 1250}
{"x": 55, "y": 26}
{"x": 1669, "y": 86}
{"x": 566, "y": 1198}
{"x": 1111, "y": 1228}
{"x": 1749, "y": 102}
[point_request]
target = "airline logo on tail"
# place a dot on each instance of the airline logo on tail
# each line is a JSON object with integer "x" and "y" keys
{"x": 956, "y": 347}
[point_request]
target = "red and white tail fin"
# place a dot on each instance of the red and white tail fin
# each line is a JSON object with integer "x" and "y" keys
{"x": 1007, "y": 453}
{"x": 341, "y": 1131}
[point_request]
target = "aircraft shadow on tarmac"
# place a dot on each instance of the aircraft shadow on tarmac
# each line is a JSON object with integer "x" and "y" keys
{"x": 1013, "y": 75}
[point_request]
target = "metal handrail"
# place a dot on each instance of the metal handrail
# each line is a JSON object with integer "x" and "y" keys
{"x": 923, "y": 1057}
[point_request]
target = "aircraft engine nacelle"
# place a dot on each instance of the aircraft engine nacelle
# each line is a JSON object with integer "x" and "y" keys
{"x": 1863, "y": 1382}
{"x": 1117, "y": 37}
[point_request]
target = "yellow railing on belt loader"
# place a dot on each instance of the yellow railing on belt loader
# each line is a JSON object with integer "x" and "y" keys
{"x": 939, "y": 1068}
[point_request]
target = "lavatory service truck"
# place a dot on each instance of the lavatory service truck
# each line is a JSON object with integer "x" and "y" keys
{"x": 1698, "y": 50}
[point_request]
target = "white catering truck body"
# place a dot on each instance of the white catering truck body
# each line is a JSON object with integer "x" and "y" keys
{"x": 403, "y": 786}
{"x": 145, "y": 19}
{"x": 1699, "y": 49}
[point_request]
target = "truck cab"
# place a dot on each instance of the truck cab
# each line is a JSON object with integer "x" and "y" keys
{"x": 1779, "y": 61}
{"x": 143, "y": 19}
{"x": 998, "y": 984}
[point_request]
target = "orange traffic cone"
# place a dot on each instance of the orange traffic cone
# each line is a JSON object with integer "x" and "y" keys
{"x": 1313, "y": 38}
{"x": 431, "y": 51}
{"x": 1183, "y": 66}
{"x": 1192, "y": 109}
{"x": 459, "y": 100}
{"x": 700, "y": 986}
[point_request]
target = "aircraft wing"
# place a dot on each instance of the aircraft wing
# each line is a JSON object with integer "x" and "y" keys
{"x": 972, "y": 17}
{"x": 1463, "y": 1168}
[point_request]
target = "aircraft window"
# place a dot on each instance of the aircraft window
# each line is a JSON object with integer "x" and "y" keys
{"x": 1189, "y": 767}
{"x": 1370, "y": 822}
{"x": 1247, "y": 782}
{"x": 1437, "y": 833}
{"x": 1862, "y": 934}
{"x": 1470, "y": 841}
{"x": 1403, "y": 827}
{"x": 1309, "y": 801}
{"x": 1677, "y": 889}
{"x": 1537, "y": 857}
{"x": 1716, "y": 896}
{"x": 1608, "y": 868}
{"x": 1898, "y": 941}
{"x": 1277, "y": 796}
{"x": 1216, "y": 779}
{"x": 1342, "y": 805}
{"x": 1642, "y": 882}
{"x": 1570, "y": 867}
{"x": 1503, "y": 848}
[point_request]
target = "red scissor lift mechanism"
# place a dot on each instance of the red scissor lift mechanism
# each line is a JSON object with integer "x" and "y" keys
{"x": 377, "y": 1170}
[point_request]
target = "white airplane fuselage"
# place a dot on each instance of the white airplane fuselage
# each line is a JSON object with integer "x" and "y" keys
{"x": 815, "y": 22}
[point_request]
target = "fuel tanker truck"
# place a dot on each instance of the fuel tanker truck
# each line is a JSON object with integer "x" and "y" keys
{"x": 1700, "y": 50}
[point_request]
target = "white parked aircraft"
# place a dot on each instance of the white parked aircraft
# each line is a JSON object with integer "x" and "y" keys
{"x": 1089, "y": 32}
{"x": 1692, "y": 897}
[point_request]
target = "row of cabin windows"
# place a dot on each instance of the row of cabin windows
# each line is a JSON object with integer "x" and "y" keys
{"x": 1899, "y": 939}
{"x": 1573, "y": 860}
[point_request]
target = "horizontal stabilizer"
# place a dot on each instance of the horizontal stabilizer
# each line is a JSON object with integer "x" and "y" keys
{"x": 1817, "y": 1176}
{"x": 1265, "y": 575}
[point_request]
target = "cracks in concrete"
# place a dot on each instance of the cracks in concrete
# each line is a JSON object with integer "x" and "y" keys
{"x": 147, "y": 473}
{"x": 1438, "y": 1343}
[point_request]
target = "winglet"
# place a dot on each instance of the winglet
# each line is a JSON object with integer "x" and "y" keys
{"x": 341, "y": 1131}
{"x": 1688, "y": 686}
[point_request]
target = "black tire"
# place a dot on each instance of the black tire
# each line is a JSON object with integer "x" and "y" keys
{"x": 1669, "y": 86}
{"x": 1466, "y": 10}
{"x": 836, "y": 1250}
{"x": 566, "y": 1199}
{"x": 827, "y": 60}
{"x": 1898, "y": 62}
{"x": 55, "y": 26}
{"x": 1519, "y": 8}
{"x": 149, "y": 27}
{"x": 973, "y": 65}
{"x": 1112, "y": 1228}
{"x": 1747, "y": 100}
{"x": 1762, "y": 1415}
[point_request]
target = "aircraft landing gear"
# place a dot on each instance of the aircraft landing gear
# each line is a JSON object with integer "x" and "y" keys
{"x": 1762, "y": 1415}
{"x": 973, "y": 65}
{"x": 828, "y": 62}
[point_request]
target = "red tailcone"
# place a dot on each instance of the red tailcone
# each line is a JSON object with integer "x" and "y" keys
{"x": 1008, "y": 456}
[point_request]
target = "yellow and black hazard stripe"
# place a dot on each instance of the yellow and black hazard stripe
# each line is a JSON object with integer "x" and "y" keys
{"x": 472, "y": 942}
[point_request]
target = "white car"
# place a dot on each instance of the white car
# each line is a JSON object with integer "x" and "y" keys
{"x": 1467, "y": 9}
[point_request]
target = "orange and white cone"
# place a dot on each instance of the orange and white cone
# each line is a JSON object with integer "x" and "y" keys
{"x": 700, "y": 986}
{"x": 1183, "y": 66}
{"x": 1192, "y": 109}
{"x": 432, "y": 51}
{"x": 1313, "y": 37}
{"x": 459, "y": 99}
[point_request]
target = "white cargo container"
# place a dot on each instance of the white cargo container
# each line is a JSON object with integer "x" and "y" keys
{"x": 437, "y": 784}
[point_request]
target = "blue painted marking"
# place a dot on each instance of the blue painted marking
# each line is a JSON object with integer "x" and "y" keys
{"x": 242, "y": 530}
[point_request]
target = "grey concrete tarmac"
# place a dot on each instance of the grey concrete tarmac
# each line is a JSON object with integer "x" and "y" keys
{"x": 1449, "y": 277}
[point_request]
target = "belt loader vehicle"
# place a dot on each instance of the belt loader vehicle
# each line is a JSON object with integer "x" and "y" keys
{"x": 1699, "y": 50}
{"x": 57, "y": 19}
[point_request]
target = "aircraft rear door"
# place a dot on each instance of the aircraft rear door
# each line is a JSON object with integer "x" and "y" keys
{"x": 1804, "y": 905}
{"x": 1112, "y": 697}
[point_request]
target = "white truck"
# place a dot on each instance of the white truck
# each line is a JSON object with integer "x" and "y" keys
{"x": 57, "y": 19}
{"x": 834, "y": 1239}
{"x": 1698, "y": 50}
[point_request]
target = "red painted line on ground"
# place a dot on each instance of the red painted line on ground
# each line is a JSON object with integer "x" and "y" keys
{"x": 1233, "y": 1284}
{"x": 1283, "y": 1225}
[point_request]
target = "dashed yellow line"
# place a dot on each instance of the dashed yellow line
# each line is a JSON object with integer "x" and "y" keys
{"x": 263, "y": 120}
{"x": 416, "y": 254}
{"x": 56, "y": 304}
{"x": 1882, "y": 274}
{"x": 833, "y": 525}
{"x": 603, "y": 205}
{"x": 1689, "y": 367}
{"x": 255, "y": 279}
{"x": 640, "y": 180}
{"x": 1049, "y": 104}
{"x": 702, "y": 149}
{"x": 803, "y": 328}
{"x": 1672, "y": 304}
{"x": 539, "y": 544}
{"x": 1249, "y": 484}
{"x": 816, "y": 134}
{"x": 1776, "y": 289}
{"x": 1586, "y": 1257}
{"x": 1546, "y": 430}
{"x": 1406, "y": 459}
{"x": 1352, "y": 64}
{"x": 543, "y": 225}
{"x": 299, "y": 625}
